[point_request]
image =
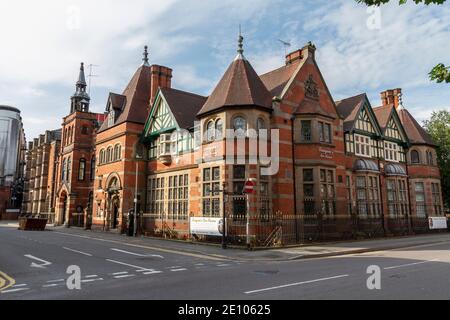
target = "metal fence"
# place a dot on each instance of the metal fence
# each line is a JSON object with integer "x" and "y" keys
{"x": 278, "y": 230}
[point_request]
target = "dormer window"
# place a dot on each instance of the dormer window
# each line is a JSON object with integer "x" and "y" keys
{"x": 111, "y": 118}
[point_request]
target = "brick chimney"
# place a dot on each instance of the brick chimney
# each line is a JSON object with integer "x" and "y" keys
{"x": 161, "y": 78}
{"x": 294, "y": 56}
{"x": 391, "y": 97}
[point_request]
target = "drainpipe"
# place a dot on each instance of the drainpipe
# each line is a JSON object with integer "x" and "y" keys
{"x": 294, "y": 180}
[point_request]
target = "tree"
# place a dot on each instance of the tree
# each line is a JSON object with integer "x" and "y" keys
{"x": 439, "y": 129}
{"x": 440, "y": 73}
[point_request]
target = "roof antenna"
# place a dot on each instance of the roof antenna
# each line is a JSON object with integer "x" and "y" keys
{"x": 91, "y": 75}
{"x": 286, "y": 46}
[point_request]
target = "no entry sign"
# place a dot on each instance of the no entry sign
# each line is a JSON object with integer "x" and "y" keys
{"x": 249, "y": 187}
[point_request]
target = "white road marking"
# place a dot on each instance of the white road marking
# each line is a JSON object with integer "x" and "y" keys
{"x": 129, "y": 265}
{"x": 125, "y": 276}
{"x": 59, "y": 280}
{"x": 297, "y": 284}
{"x": 178, "y": 270}
{"x": 19, "y": 285}
{"x": 92, "y": 280}
{"x": 152, "y": 272}
{"x": 411, "y": 264}
{"x": 50, "y": 285}
{"x": 35, "y": 265}
{"x": 76, "y": 251}
{"x": 119, "y": 273}
{"x": 175, "y": 267}
{"x": 224, "y": 265}
{"x": 14, "y": 290}
{"x": 196, "y": 255}
{"x": 138, "y": 254}
{"x": 92, "y": 276}
{"x": 200, "y": 264}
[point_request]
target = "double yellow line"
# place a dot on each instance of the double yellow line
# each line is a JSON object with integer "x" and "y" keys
{"x": 6, "y": 281}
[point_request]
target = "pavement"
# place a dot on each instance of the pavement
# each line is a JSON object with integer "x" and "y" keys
{"x": 42, "y": 265}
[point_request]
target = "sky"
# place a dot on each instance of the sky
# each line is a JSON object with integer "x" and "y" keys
{"x": 358, "y": 49}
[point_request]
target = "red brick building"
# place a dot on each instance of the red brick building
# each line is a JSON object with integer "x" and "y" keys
{"x": 327, "y": 170}
{"x": 77, "y": 160}
{"x": 122, "y": 165}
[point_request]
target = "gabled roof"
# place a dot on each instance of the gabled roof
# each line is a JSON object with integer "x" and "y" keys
{"x": 137, "y": 96}
{"x": 240, "y": 86}
{"x": 416, "y": 133}
{"x": 184, "y": 106}
{"x": 349, "y": 108}
{"x": 383, "y": 115}
{"x": 276, "y": 80}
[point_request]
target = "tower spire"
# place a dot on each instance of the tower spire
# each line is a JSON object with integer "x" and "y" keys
{"x": 80, "y": 99}
{"x": 145, "y": 59}
{"x": 81, "y": 78}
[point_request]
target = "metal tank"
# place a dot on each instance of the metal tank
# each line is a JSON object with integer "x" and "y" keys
{"x": 10, "y": 129}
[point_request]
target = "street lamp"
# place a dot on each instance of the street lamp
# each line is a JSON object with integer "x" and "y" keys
{"x": 224, "y": 231}
{"x": 138, "y": 157}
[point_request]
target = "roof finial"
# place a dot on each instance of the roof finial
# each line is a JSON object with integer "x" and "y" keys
{"x": 241, "y": 42}
{"x": 400, "y": 102}
{"x": 145, "y": 59}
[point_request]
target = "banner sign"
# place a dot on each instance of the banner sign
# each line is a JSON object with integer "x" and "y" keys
{"x": 204, "y": 226}
{"x": 438, "y": 223}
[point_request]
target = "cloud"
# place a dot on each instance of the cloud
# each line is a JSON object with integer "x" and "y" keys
{"x": 43, "y": 45}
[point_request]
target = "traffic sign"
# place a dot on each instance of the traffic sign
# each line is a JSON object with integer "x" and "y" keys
{"x": 249, "y": 187}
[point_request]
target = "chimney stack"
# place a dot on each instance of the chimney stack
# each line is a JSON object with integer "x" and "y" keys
{"x": 161, "y": 77}
{"x": 294, "y": 56}
{"x": 391, "y": 97}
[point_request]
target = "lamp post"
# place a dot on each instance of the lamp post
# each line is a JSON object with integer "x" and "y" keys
{"x": 224, "y": 232}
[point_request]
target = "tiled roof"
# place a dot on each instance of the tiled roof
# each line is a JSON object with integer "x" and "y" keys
{"x": 383, "y": 115}
{"x": 240, "y": 86}
{"x": 137, "y": 96}
{"x": 276, "y": 80}
{"x": 415, "y": 132}
{"x": 348, "y": 109}
{"x": 184, "y": 106}
{"x": 309, "y": 106}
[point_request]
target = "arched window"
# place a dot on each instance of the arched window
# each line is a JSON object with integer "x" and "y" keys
{"x": 82, "y": 170}
{"x": 69, "y": 169}
{"x": 117, "y": 152}
{"x": 64, "y": 172}
{"x": 240, "y": 126}
{"x": 102, "y": 156}
{"x": 430, "y": 158}
{"x": 92, "y": 172}
{"x": 260, "y": 124}
{"x": 210, "y": 135}
{"x": 65, "y": 136}
{"x": 109, "y": 155}
{"x": 219, "y": 129}
{"x": 415, "y": 157}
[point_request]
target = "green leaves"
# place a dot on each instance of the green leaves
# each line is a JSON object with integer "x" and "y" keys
{"x": 380, "y": 2}
{"x": 440, "y": 73}
{"x": 438, "y": 127}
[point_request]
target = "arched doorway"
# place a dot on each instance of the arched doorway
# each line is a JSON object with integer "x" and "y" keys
{"x": 63, "y": 207}
{"x": 115, "y": 209}
{"x": 114, "y": 202}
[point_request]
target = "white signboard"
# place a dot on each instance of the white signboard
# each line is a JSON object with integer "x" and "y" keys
{"x": 204, "y": 226}
{"x": 438, "y": 223}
